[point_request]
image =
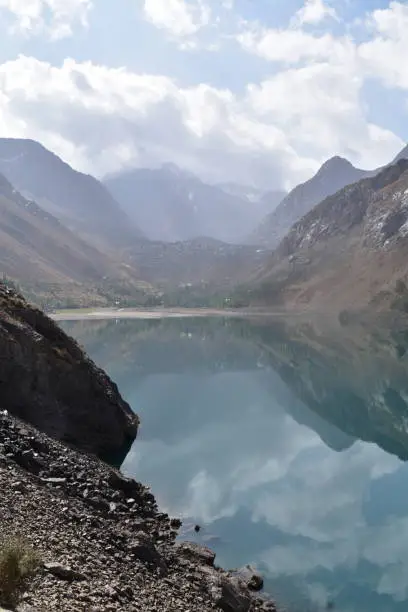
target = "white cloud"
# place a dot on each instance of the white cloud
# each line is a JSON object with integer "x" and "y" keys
{"x": 318, "y": 107}
{"x": 383, "y": 56}
{"x": 275, "y": 132}
{"x": 378, "y": 57}
{"x": 292, "y": 46}
{"x": 179, "y": 18}
{"x": 56, "y": 17}
{"x": 314, "y": 12}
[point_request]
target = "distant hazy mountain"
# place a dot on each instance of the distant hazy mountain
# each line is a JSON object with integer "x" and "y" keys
{"x": 79, "y": 200}
{"x": 246, "y": 192}
{"x": 172, "y": 205}
{"x": 265, "y": 201}
{"x": 332, "y": 176}
{"x": 52, "y": 263}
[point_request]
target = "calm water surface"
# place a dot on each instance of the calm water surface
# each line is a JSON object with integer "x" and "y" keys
{"x": 286, "y": 442}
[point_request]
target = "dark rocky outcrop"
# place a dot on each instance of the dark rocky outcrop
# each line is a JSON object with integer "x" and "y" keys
{"x": 47, "y": 380}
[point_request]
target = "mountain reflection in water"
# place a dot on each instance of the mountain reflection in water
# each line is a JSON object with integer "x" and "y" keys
{"x": 286, "y": 440}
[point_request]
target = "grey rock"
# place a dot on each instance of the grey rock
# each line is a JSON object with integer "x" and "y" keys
{"x": 229, "y": 595}
{"x": 63, "y": 572}
{"x": 143, "y": 548}
{"x": 196, "y": 552}
{"x": 27, "y": 459}
{"x": 121, "y": 483}
{"x": 18, "y": 486}
{"x": 251, "y": 577}
{"x": 54, "y": 481}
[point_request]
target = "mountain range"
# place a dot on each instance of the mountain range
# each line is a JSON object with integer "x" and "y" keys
{"x": 338, "y": 237}
{"x": 172, "y": 205}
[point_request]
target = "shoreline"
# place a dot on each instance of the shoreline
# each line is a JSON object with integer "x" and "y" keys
{"x": 133, "y": 313}
{"x": 103, "y": 542}
{"x": 100, "y": 540}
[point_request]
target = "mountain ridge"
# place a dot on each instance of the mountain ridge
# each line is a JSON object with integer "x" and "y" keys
{"x": 79, "y": 200}
{"x": 52, "y": 263}
{"x": 334, "y": 174}
{"x": 172, "y": 205}
{"x": 349, "y": 250}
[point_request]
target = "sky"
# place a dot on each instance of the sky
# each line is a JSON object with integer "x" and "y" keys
{"x": 259, "y": 92}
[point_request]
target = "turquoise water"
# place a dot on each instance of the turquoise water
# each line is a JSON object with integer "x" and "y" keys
{"x": 285, "y": 441}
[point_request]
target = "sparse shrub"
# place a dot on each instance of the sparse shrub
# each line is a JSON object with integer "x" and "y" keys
{"x": 18, "y": 564}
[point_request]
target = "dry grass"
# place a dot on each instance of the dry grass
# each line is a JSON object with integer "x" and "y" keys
{"x": 18, "y": 564}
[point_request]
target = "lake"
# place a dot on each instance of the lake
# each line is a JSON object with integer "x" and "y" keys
{"x": 286, "y": 441}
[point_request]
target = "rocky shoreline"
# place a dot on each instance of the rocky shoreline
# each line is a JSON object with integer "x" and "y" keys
{"x": 102, "y": 540}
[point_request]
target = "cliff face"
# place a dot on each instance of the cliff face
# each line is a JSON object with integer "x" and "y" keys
{"x": 349, "y": 251}
{"x": 47, "y": 380}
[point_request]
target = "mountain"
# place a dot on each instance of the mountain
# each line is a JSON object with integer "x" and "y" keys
{"x": 81, "y": 202}
{"x": 246, "y": 192}
{"x": 45, "y": 257}
{"x": 270, "y": 201}
{"x": 172, "y": 205}
{"x": 332, "y": 176}
{"x": 401, "y": 155}
{"x": 350, "y": 250}
{"x": 264, "y": 201}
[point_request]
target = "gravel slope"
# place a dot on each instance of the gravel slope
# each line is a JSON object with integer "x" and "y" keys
{"x": 103, "y": 542}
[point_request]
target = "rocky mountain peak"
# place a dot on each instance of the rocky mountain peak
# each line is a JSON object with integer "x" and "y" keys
{"x": 333, "y": 175}
{"x": 402, "y": 154}
{"x": 335, "y": 164}
{"x": 339, "y": 213}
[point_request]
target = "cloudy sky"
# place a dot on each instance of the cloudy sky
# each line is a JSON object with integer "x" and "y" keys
{"x": 256, "y": 91}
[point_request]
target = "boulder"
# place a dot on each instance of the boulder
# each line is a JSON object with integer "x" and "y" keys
{"x": 63, "y": 572}
{"x": 144, "y": 549}
{"x": 229, "y": 594}
{"x": 251, "y": 578}
{"x": 195, "y": 552}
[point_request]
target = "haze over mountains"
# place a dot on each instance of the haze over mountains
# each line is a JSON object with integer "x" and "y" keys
{"x": 80, "y": 201}
{"x": 38, "y": 251}
{"x": 172, "y": 205}
{"x": 155, "y": 230}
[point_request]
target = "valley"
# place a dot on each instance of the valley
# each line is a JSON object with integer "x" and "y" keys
{"x": 163, "y": 238}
